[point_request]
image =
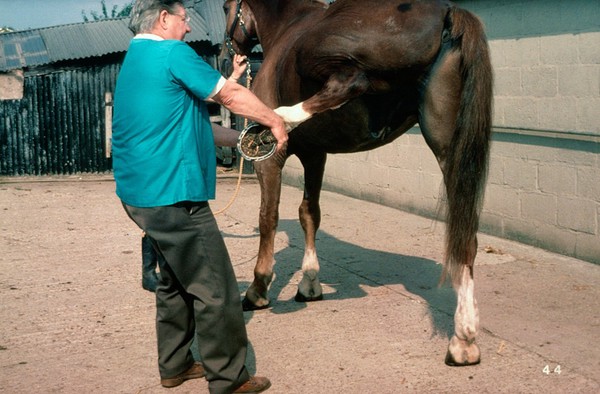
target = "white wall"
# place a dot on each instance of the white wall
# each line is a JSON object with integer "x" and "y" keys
{"x": 544, "y": 183}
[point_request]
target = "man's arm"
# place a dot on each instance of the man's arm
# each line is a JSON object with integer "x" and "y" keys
{"x": 243, "y": 102}
{"x": 224, "y": 136}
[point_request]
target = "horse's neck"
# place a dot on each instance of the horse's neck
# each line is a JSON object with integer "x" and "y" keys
{"x": 265, "y": 19}
{"x": 272, "y": 17}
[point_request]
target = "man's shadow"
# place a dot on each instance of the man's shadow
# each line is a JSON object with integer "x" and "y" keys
{"x": 346, "y": 267}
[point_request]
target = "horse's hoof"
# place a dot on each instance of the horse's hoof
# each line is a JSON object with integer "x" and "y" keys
{"x": 302, "y": 298}
{"x": 461, "y": 354}
{"x": 248, "y": 305}
{"x": 451, "y": 362}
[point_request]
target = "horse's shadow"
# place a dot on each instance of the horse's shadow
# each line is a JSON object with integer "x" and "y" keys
{"x": 346, "y": 268}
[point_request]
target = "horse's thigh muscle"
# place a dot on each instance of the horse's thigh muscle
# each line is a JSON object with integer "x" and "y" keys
{"x": 440, "y": 104}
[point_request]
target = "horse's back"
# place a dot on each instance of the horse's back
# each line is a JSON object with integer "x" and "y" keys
{"x": 378, "y": 35}
{"x": 391, "y": 41}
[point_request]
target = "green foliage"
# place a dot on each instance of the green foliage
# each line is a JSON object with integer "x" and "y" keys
{"x": 105, "y": 14}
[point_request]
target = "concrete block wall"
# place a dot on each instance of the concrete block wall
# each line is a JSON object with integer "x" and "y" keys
{"x": 545, "y": 191}
{"x": 544, "y": 182}
{"x": 546, "y": 58}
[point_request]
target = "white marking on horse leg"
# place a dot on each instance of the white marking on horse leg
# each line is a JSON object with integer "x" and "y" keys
{"x": 466, "y": 318}
{"x": 310, "y": 287}
{"x": 293, "y": 116}
{"x": 462, "y": 349}
{"x": 310, "y": 262}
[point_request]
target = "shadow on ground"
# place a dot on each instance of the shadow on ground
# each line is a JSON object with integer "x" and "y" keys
{"x": 347, "y": 267}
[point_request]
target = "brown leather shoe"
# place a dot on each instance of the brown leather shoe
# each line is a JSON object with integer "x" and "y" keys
{"x": 256, "y": 384}
{"x": 196, "y": 371}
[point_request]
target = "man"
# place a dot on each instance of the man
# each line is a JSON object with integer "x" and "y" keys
{"x": 164, "y": 167}
{"x": 149, "y": 255}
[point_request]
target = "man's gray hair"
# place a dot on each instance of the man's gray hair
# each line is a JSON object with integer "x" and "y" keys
{"x": 145, "y": 13}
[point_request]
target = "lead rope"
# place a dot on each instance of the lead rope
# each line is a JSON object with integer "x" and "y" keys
{"x": 239, "y": 181}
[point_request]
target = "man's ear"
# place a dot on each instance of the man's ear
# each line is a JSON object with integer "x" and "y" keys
{"x": 162, "y": 19}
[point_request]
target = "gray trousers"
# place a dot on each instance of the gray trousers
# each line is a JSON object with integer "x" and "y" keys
{"x": 197, "y": 293}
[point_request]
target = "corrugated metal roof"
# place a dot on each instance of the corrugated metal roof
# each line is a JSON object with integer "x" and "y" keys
{"x": 82, "y": 40}
{"x": 78, "y": 41}
{"x": 212, "y": 12}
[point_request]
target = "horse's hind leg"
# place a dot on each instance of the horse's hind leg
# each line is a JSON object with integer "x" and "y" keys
{"x": 446, "y": 135}
{"x": 309, "y": 288}
{"x": 462, "y": 349}
{"x": 341, "y": 86}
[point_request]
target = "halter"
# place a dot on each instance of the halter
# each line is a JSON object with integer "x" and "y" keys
{"x": 238, "y": 20}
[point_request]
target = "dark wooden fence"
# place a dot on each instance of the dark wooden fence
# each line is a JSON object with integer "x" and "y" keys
{"x": 59, "y": 125}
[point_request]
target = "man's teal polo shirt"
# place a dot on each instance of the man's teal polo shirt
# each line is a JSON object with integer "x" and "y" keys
{"x": 163, "y": 145}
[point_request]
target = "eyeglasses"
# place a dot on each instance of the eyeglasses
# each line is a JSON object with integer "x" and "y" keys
{"x": 184, "y": 18}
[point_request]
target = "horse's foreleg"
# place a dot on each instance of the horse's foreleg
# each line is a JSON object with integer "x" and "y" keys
{"x": 269, "y": 177}
{"x": 462, "y": 349}
{"x": 309, "y": 288}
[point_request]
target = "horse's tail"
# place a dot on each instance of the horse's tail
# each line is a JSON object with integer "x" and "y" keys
{"x": 467, "y": 161}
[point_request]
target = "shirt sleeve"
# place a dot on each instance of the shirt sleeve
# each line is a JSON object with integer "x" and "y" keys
{"x": 219, "y": 86}
{"x": 192, "y": 72}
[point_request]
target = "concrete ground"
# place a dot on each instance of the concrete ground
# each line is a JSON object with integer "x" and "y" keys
{"x": 74, "y": 318}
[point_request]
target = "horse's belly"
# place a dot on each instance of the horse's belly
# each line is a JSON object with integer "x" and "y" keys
{"x": 356, "y": 126}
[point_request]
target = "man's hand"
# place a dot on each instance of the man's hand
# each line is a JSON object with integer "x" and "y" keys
{"x": 280, "y": 133}
{"x": 240, "y": 63}
{"x": 243, "y": 102}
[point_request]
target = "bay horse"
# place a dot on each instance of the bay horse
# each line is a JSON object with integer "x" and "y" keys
{"x": 354, "y": 75}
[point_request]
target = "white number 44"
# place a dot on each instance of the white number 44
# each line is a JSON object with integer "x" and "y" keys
{"x": 548, "y": 371}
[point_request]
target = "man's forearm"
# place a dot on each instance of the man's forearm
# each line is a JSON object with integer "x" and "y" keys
{"x": 243, "y": 102}
{"x": 224, "y": 136}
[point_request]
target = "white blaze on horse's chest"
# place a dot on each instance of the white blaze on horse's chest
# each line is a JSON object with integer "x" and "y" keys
{"x": 294, "y": 115}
